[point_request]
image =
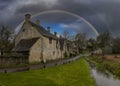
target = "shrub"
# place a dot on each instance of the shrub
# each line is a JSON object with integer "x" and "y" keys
{"x": 65, "y": 55}
{"x": 71, "y": 54}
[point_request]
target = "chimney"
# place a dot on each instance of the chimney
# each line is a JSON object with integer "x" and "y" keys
{"x": 27, "y": 17}
{"x": 48, "y": 29}
{"x": 55, "y": 33}
{"x": 38, "y": 22}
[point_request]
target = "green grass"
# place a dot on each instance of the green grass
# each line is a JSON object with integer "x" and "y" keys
{"x": 72, "y": 74}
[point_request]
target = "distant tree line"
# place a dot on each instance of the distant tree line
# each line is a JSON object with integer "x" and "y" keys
{"x": 106, "y": 39}
{"x": 116, "y": 45}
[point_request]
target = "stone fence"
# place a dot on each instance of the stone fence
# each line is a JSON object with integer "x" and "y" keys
{"x": 6, "y": 60}
{"x": 42, "y": 65}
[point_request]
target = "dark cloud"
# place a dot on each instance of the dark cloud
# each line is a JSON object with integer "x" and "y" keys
{"x": 112, "y": 14}
{"x": 31, "y": 9}
{"x": 102, "y": 14}
{"x": 56, "y": 18}
{"x": 4, "y": 4}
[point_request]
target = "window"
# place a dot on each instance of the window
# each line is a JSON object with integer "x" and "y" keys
{"x": 53, "y": 52}
{"x": 23, "y": 30}
{"x": 22, "y": 35}
{"x": 50, "y": 41}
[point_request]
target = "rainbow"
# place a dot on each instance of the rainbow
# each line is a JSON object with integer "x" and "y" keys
{"x": 62, "y": 11}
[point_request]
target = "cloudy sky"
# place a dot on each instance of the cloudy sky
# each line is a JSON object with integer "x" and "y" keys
{"x": 102, "y": 14}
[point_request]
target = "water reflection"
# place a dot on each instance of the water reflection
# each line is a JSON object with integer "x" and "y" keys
{"x": 103, "y": 80}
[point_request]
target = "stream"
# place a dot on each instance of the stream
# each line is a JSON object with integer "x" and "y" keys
{"x": 104, "y": 80}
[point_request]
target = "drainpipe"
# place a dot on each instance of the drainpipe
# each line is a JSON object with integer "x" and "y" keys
{"x": 41, "y": 48}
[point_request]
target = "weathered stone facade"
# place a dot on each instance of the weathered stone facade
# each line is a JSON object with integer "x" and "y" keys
{"x": 39, "y": 42}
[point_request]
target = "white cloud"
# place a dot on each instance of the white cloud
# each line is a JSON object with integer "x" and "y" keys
{"x": 76, "y": 26}
{"x": 70, "y": 26}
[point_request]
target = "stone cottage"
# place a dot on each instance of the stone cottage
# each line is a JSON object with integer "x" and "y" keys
{"x": 40, "y": 44}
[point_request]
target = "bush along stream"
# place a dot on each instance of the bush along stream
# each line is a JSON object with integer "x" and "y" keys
{"x": 105, "y": 66}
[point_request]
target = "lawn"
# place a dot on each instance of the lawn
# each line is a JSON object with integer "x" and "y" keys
{"x": 72, "y": 74}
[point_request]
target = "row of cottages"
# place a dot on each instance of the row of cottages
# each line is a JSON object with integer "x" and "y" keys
{"x": 39, "y": 43}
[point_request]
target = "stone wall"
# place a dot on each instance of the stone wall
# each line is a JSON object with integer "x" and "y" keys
{"x": 7, "y": 60}
{"x": 43, "y": 50}
{"x": 49, "y": 49}
{"x": 35, "y": 54}
{"x": 27, "y": 32}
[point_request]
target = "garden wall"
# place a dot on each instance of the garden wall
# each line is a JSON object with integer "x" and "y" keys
{"x": 7, "y": 60}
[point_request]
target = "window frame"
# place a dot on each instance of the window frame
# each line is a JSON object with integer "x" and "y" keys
{"x": 50, "y": 40}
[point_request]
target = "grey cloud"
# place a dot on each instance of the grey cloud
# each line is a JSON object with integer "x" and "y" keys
{"x": 56, "y": 18}
{"x": 79, "y": 27}
{"x": 102, "y": 14}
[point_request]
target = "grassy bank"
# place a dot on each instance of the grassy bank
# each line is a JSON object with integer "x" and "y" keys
{"x": 105, "y": 65}
{"x": 73, "y": 74}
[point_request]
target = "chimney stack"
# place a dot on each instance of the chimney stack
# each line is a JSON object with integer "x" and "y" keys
{"x": 48, "y": 29}
{"x": 27, "y": 17}
{"x": 38, "y": 22}
{"x": 55, "y": 33}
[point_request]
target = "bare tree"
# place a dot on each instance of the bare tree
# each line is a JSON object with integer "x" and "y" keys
{"x": 104, "y": 39}
{"x": 68, "y": 35}
{"x": 80, "y": 41}
{"x": 81, "y": 38}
